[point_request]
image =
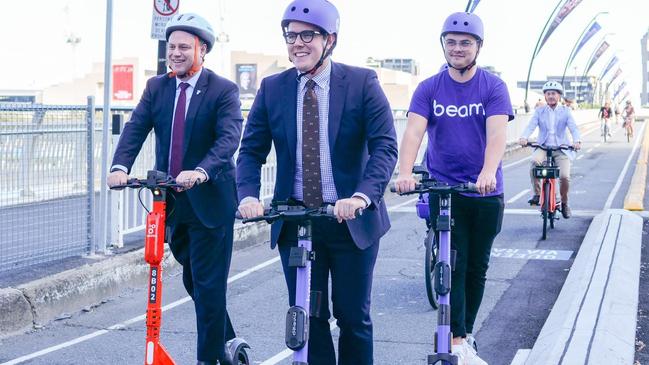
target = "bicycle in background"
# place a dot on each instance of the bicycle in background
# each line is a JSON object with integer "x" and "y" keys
{"x": 549, "y": 173}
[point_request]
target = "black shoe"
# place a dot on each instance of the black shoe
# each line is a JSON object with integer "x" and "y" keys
{"x": 565, "y": 210}
{"x": 227, "y": 358}
{"x": 535, "y": 200}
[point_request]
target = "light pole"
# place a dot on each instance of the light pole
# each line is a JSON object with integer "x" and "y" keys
{"x": 581, "y": 36}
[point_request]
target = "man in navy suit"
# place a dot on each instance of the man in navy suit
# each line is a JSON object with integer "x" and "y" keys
{"x": 197, "y": 121}
{"x": 334, "y": 117}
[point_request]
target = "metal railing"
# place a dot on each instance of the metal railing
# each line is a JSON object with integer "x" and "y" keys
{"x": 46, "y": 180}
{"x": 49, "y": 181}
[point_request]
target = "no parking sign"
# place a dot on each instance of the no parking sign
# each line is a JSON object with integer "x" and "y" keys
{"x": 163, "y": 10}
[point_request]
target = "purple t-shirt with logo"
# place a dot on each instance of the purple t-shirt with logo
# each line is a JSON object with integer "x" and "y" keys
{"x": 457, "y": 130}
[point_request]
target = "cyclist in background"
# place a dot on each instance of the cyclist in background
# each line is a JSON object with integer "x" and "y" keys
{"x": 605, "y": 113}
{"x": 629, "y": 115}
{"x": 465, "y": 111}
{"x": 553, "y": 120}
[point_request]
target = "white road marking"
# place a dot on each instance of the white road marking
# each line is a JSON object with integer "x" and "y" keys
{"x": 164, "y": 308}
{"x": 130, "y": 321}
{"x": 518, "y": 196}
{"x": 521, "y": 356}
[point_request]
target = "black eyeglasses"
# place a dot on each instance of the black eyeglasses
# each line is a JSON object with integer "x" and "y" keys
{"x": 305, "y": 35}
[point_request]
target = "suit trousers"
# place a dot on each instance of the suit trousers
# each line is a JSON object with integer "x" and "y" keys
{"x": 205, "y": 255}
{"x": 351, "y": 272}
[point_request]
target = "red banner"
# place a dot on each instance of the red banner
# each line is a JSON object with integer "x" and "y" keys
{"x": 122, "y": 82}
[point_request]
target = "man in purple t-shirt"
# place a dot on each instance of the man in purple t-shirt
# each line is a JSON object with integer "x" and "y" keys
{"x": 465, "y": 111}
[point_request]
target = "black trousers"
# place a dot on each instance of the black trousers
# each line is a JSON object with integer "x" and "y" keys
{"x": 205, "y": 255}
{"x": 477, "y": 221}
{"x": 351, "y": 272}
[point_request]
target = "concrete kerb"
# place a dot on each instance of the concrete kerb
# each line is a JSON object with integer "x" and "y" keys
{"x": 43, "y": 300}
{"x": 634, "y": 199}
{"x": 594, "y": 319}
{"x": 16, "y": 311}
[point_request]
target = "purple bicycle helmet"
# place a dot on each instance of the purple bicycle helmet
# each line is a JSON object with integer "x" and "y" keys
{"x": 320, "y": 13}
{"x": 468, "y": 23}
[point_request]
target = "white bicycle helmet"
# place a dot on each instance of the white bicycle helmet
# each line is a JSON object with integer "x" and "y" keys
{"x": 553, "y": 85}
{"x": 194, "y": 24}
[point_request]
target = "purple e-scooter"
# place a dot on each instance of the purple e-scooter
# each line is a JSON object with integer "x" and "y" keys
{"x": 297, "y": 318}
{"x": 441, "y": 230}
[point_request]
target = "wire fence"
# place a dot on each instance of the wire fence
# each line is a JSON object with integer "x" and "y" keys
{"x": 46, "y": 209}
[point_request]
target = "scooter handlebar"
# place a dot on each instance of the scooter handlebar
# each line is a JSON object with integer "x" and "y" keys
{"x": 433, "y": 186}
{"x": 291, "y": 213}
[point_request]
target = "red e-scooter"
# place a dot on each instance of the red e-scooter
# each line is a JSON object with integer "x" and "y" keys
{"x": 155, "y": 354}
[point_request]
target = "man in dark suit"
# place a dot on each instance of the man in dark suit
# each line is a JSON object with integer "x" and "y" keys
{"x": 334, "y": 117}
{"x": 197, "y": 121}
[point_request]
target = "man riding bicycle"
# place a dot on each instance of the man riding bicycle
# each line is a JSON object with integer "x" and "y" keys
{"x": 553, "y": 120}
{"x": 464, "y": 110}
{"x": 605, "y": 113}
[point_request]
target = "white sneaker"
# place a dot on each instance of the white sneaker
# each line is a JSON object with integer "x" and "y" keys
{"x": 471, "y": 340}
{"x": 460, "y": 352}
{"x": 470, "y": 355}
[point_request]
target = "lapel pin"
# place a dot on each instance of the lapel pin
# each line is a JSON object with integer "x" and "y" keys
{"x": 198, "y": 92}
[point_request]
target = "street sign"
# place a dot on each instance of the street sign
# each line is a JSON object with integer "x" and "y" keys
{"x": 163, "y": 10}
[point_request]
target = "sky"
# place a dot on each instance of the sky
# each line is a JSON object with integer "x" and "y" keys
{"x": 37, "y": 54}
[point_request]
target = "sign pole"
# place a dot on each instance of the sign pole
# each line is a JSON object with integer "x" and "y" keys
{"x": 108, "y": 73}
{"x": 162, "y": 57}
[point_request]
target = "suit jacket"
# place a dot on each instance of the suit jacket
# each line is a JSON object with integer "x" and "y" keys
{"x": 213, "y": 129}
{"x": 362, "y": 143}
{"x": 564, "y": 120}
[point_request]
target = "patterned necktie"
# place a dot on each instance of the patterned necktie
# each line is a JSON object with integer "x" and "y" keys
{"x": 178, "y": 134}
{"x": 311, "y": 179}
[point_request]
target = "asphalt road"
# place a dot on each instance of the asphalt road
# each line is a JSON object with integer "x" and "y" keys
{"x": 523, "y": 283}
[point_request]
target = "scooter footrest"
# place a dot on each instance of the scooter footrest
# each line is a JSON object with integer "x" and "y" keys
{"x": 440, "y": 358}
{"x": 297, "y": 328}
